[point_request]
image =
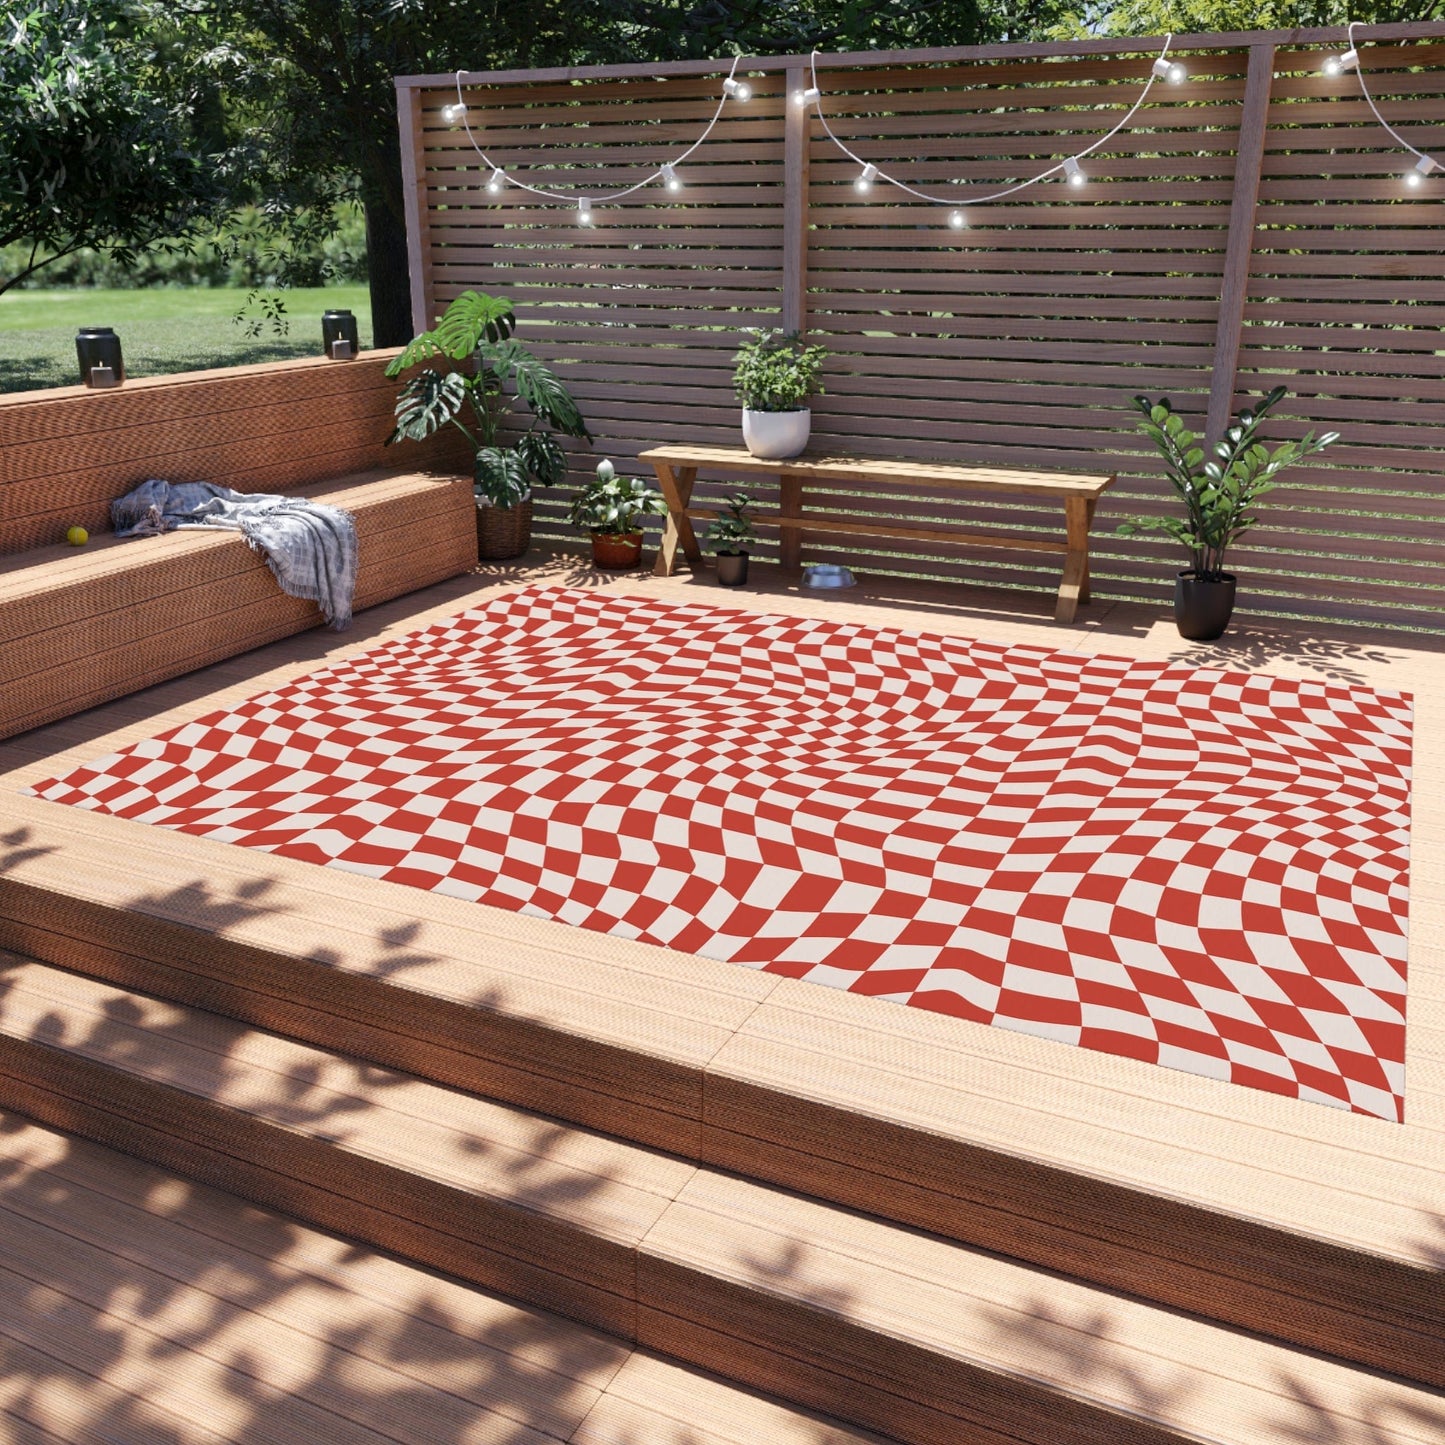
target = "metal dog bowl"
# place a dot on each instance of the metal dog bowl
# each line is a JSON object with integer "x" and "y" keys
{"x": 825, "y": 576}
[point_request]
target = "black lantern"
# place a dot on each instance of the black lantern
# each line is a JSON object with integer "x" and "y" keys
{"x": 339, "y": 336}
{"x": 98, "y": 350}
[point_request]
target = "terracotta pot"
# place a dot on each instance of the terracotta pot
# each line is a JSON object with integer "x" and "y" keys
{"x": 503, "y": 531}
{"x": 616, "y": 554}
{"x": 1202, "y": 607}
{"x": 732, "y": 569}
{"x": 772, "y": 435}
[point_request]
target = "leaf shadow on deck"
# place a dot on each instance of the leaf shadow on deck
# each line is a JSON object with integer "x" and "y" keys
{"x": 1078, "y": 1345}
{"x": 144, "y": 1307}
{"x": 1257, "y": 647}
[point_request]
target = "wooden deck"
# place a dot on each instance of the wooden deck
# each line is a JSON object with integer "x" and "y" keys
{"x": 996, "y": 1229}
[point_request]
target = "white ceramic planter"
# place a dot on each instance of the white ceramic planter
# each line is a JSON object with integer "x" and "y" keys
{"x": 772, "y": 435}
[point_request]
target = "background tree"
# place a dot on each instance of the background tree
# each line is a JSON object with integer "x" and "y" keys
{"x": 96, "y": 148}
{"x": 1213, "y": 17}
{"x": 310, "y": 81}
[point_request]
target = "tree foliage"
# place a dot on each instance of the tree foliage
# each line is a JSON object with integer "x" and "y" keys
{"x": 1215, "y": 17}
{"x": 97, "y": 147}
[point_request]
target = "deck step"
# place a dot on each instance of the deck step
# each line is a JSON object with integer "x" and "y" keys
{"x": 885, "y": 1327}
{"x": 143, "y": 1307}
{"x": 1161, "y": 1188}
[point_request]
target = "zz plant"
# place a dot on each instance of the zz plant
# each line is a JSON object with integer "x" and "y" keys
{"x": 1219, "y": 494}
{"x": 479, "y": 327}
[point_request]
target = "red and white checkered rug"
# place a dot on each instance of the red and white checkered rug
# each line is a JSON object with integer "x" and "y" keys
{"x": 1201, "y": 869}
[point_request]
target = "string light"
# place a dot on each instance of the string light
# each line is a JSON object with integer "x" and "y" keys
{"x": 957, "y": 220}
{"x": 1336, "y": 65}
{"x": 806, "y": 97}
{"x": 454, "y": 114}
{"x": 1423, "y": 167}
{"x": 1161, "y": 69}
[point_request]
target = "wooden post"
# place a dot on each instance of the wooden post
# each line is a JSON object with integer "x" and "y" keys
{"x": 795, "y": 202}
{"x": 1234, "y": 288}
{"x": 413, "y": 179}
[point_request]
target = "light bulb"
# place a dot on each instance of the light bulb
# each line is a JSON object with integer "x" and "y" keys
{"x": 669, "y": 177}
{"x": 584, "y": 211}
{"x": 1423, "y": 167}
{"x": 1169, "y": 70}
{"x": 1338, "y": 64}
{"x": 454, "y": 112}
{"x": 806, "y": 97}
{"x": 497, "y": 180}
{"x": 865, "y": 178}
{"x": 957, "y": 220}
{"x": 739, "y": 90}
{"x": 1076, "y": 177}
{"x": 1177, "y": 74}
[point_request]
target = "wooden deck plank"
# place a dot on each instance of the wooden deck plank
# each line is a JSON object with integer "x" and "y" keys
{"x": 651, "y": 1401}
{"x": 902, "y": 1302}
{"x": 1359, "y": 1181}
{"x": 550, "y": 1214}
{"x": 263, "y": 1319}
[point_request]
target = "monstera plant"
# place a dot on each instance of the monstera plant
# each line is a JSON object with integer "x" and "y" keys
{"x": 481, "y": 402}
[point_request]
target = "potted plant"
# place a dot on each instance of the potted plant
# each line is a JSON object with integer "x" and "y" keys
{"x": 731, "y": 537}
{"x": 776, "y": 374}
{"x": 480, "y": 327}
{"x": 610, "y": 508}
{"x": 1219, "y": 497}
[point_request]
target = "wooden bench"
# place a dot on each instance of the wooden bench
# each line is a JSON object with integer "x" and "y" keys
{"x": 677, "y": 468}
{"x": 81, "y": 626}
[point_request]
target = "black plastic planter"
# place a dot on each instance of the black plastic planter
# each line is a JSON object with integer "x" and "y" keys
{"x": 732, "y": 569}
{"x": 1202, "y": 608}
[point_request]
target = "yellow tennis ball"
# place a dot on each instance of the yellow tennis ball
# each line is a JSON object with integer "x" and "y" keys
{"x": 77, "y": 536}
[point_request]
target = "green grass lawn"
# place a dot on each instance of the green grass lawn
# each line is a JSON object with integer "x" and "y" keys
{"x": 161, "y": 330}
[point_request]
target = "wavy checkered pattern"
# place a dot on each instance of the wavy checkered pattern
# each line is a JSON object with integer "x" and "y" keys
{"x": 1196, "y": 868}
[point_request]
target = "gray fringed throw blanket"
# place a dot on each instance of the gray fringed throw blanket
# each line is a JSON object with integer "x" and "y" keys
{"x": 310, "y": 548}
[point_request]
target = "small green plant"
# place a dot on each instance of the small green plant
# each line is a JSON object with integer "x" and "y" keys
{"x": 613, "y": 506}
{"x": 732, "y": 534}
{"x": 1218, "y": 495}
{"x": 480, "y": 326}
{"x": 777, "y": 372}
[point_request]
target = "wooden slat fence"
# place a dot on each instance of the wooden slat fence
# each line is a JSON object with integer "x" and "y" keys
{"x": 1248, "y": 227}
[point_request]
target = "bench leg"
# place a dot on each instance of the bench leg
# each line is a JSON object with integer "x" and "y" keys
{"x": 790, "y": 504}
{"x": 676, "y": 490}
{"x": 1074, "y": 586}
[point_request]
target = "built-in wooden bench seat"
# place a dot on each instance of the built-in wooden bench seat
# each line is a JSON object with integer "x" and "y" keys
{"x": 82, "y": 625}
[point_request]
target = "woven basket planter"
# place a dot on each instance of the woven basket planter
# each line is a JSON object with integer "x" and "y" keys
{"x": 503, "y": 531}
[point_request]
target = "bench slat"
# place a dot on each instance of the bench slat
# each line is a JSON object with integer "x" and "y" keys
{"x": 851, "y": 525}
{"x": 865, "y": 469}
